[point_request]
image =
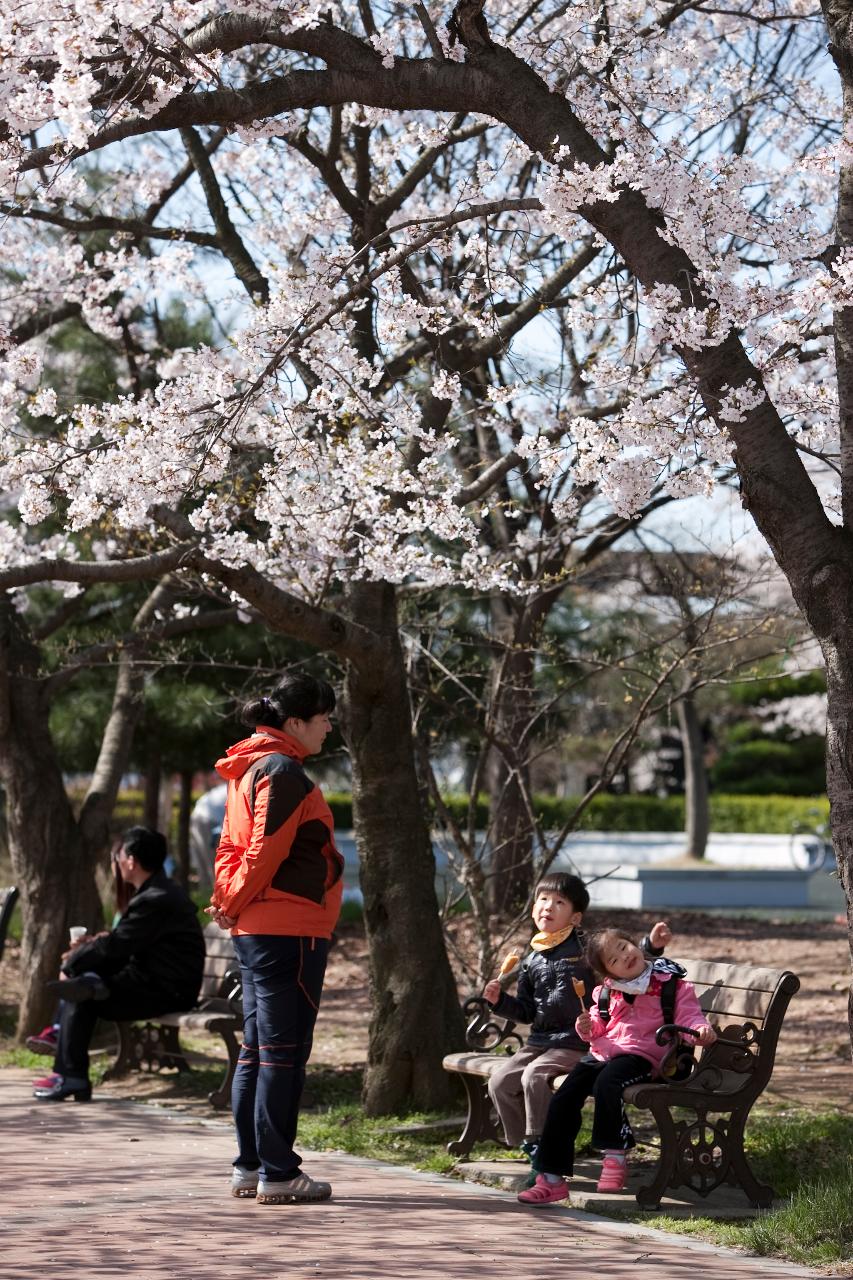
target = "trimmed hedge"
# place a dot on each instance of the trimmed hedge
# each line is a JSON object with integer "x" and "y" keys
{"x": 771, "y": 814}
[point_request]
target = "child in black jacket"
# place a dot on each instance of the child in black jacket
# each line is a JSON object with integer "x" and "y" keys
{"x": 554, "y": 988}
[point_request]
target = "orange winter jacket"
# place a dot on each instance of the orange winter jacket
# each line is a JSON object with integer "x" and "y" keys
{"x": 277, "y": 868}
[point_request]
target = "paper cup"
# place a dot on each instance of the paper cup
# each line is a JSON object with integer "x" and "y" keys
{"x": 77, "y": 931}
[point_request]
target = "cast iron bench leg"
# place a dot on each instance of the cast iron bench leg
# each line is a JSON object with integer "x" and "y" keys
{"x": 478, "y": 1123}
{"x": 649, "y": 1196}
{"x": 759, "y": 1194}
{"x": 221, "y": 1097}
{"x": 124, "y": 1055}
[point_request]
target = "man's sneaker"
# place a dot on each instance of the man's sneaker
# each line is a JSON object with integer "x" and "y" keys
{"x": 244, "y": 1182}
{"x": 298, "y": 1189}
{"x": 613, "y": 1173}
{"x": 47, "y": 1082}
{"x": 65, "y": 1087}
{"x": 44, "y": 1042}
{"x": 545, "y": 1192}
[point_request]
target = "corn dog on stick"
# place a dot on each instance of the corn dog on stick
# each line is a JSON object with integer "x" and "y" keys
{"x": 508, "y": 964}
{"x": 580, "y": 987}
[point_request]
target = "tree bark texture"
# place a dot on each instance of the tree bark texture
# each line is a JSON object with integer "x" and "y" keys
{"x": 52, "y": 864}
{"x": 182, "y": 850}
{"x": 510, "y": 865}
{"x": 696, "y": 811}
{"x": 55, "y": 855}
{"x": 416, "y": 1017}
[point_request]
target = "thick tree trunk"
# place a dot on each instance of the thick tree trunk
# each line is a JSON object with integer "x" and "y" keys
{"x": 182, "y": 849}
{"x": 151, "y": 792}
{"x": 839, "y": 764}
{"x": 53, "y": 868}
{"x": 54, "y": 856}
{"x": 508, "y": 775}
{"x": 416, "y": 1017}
{"x": 696, "y": 809}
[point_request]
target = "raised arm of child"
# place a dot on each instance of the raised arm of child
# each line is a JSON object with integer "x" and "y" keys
{"x": 660, "y": 936}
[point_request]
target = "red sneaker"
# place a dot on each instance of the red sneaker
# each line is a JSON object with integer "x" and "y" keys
{"x": 545, "y": 1192}
{"x": 44, "y": 1042}
{"x": 613, "y": 1174}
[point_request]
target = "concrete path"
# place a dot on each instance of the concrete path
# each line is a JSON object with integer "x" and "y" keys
{"x": 117, "y": 1189}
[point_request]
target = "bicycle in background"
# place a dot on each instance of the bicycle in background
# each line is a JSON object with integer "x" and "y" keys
{"x": 810, "y": 844}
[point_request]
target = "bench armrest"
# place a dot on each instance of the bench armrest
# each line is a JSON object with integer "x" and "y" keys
{"x": 484, "y": 1030}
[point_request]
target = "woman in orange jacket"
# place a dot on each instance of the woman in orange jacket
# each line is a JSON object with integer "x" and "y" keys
{"x": 278, "y": 886}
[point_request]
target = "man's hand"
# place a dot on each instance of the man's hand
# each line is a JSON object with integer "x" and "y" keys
{"x": 220, "y": 918}
{"x": 492, "y": 991}
{"x": 583, "y": 1026}
{"x": 660, "y": 935}
{"x": 706, "y": 1035}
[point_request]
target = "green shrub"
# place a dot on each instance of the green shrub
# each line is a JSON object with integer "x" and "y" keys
{"x": 771, "y": 766}
{"x": 747, "y": 814}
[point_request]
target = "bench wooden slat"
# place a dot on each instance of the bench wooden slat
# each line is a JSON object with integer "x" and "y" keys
{"x": 741, "y": 977}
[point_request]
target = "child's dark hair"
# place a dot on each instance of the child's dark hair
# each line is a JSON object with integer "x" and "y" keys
{"x": 569, "y": 887}
{"x": 298, "y": 695}
{"x": 595, "y": 945}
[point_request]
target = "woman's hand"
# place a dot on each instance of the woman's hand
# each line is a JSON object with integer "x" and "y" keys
{"x": 706, "y": 1035}
{"x": 492, "y": 991}
{"x": 219, "y": 917}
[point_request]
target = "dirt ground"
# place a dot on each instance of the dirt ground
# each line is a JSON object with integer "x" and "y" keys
{"x": 813, "y": 1062}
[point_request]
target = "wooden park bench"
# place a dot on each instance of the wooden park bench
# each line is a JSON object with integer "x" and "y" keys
{"x": 155, "y": 1045}
{"x": 700, "y": 1150}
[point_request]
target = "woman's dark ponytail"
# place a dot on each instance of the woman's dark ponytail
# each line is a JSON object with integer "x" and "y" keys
{"x": 299, "y": 695}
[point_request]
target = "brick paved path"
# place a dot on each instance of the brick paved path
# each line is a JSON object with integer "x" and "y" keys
{"x": 114, "y": 1189}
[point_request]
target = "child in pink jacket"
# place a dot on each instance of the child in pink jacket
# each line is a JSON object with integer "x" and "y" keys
{"x": 622, "y": 1052}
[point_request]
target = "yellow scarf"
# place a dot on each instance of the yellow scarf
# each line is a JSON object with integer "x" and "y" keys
{"x": 545, "y": 941}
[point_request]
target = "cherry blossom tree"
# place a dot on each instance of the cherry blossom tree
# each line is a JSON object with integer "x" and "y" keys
{"x": 667, "y": 137}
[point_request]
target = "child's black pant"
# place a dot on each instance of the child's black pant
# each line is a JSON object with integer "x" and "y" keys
{"x": 610, "y": 1128}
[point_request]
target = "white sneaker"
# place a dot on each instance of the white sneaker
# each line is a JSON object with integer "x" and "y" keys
{"x": 300, "y": 1188}
{"x": 244, "y": 1182}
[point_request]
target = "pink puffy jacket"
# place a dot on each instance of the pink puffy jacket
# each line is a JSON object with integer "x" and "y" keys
{"x": 632, "y": 1026}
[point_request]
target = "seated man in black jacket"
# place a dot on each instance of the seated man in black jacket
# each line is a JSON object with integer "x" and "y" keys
{"x": 151, "y": 963}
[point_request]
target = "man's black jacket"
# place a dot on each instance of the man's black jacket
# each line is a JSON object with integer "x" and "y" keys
{"x": 158, "y": 942}
{"x": 546, "y": 998}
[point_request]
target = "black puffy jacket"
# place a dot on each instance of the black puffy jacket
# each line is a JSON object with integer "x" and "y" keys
{"x": 158, "y": 943}
{"x": 545, "y": 997}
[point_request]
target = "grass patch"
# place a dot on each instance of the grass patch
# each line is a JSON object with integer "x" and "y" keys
{"x": 806, "y": 1158}
{"x": 393, "y": 1139}
{"x": 816, "y": 1228}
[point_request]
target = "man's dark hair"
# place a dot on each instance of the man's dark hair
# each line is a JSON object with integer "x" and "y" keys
{"x": 147, "y": 846}
{"x": 570, "y": 887}
{"x": 297, "y": 695}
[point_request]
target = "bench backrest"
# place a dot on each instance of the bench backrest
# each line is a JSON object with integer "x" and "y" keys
{"x": 8, "y": 898}
{"x": 220, "y": 959}
{"x": 746, "y": 1004}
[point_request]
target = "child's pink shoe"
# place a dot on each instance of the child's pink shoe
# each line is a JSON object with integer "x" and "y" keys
{"x": 613, "y": 1174}
{"x": 545, "y": 1192}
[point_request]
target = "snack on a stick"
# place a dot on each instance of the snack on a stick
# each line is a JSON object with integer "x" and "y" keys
{"x": 580, "y": 987}
{"x": 508, "y": 964}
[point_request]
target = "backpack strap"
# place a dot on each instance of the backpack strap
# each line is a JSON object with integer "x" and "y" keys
{"x": 668, "y": 992}
{"x": 604, "y": 1004}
